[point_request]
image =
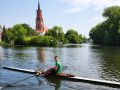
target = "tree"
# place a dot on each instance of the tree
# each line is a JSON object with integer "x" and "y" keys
{"x": 19, "y": 30}
{"x": 36, "y": 40}
{"x": 30, "y": 31}
{"x": 73, "y": 37}
{"x": 71, "y": 31}
{"x": 9, "y": 35}
{"x": 19, "y": 34}
{"x": 97, "y": 33}
{"x": 108, "y": 32}
{"x": 81, "y": 38}
{"x": 4, "y": 37}
{"x": 112, "y": 13}
{"x": 57, "y": 33}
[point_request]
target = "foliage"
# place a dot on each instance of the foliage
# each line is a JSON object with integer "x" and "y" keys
{"x": 36, "y": 41}
{"x": 17, "y": 34}
{"x": 57, "y": 33}
{"x": 48, "y": 41}
{"x": 71, "y": 31}
{"x": 1, "y": 43}
{"x": 30, "y": 31}
{"x": 97, "y": 33}
{"x": 108, "y": 32}
{"x": 73, "y": 37}
{"x": 112, "y": 13}
{"x": 3, "y": 37}
{"x": 23, "y": 34}
{"x": 19, "y": 31}
{"x": 25, "y": 40}
{"x": 81, "y": 39}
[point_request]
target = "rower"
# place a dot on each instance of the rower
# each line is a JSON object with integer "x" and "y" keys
{"x": 57, "y": 69}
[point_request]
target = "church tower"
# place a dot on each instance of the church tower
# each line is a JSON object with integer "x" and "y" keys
{"x": 40, "y": 28}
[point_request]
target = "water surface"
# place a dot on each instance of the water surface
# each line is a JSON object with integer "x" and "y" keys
{"x": 91, "y": 61}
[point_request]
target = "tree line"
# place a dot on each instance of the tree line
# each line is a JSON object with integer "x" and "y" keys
{"x": 108, "y": 31}
{"x": 23, "y": 34}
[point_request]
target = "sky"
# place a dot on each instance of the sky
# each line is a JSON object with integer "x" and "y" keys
{"x": 80, "y": 15}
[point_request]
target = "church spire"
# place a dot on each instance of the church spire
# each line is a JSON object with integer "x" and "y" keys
{"x": 38, "y": 5}
{"x": 40, "y": 28}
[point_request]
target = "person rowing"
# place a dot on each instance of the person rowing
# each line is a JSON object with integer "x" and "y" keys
{"x": 57, "y": 69}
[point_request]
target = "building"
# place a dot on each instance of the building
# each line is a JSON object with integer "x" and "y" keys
{"x": 40, "y": 28}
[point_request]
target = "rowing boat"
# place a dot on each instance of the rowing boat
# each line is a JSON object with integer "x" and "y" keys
{"x": 70, "y": 77}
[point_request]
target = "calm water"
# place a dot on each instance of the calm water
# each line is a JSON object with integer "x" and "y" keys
{"x": 91, "y": 61}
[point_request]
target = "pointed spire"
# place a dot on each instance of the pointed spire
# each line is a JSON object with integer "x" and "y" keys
{"x": 38, "y": 5}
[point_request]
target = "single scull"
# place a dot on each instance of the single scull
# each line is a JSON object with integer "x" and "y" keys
{"x": 70, "y": 77}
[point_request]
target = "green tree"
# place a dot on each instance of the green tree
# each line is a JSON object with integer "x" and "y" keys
{"x": 108, "y": 32}
{"x": 57, "y": 33}
{"x": 71, "y": 31}
{"x": 81, "y": 38}
{"x": 43, "y": 41}
{"x": 25, "y": 40}
{"x": 7, "y": 36}
{"x": 19, "y": 34}
{"x": 112, "y": 13}
{"x": 19, "y": 31}
{"x": 36, "y": 40}
{"x": 97, "y": 33}
{"x": 30, "y": 31}
{"x": 46, "y": 41}
{"x": 73, "y": 37}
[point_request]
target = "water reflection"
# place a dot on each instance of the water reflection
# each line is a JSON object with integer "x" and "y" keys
{"x": 54, "y": 81}
{"x": 20, "y": 57}
{"x": 41, "y": 58}
{"x": 41, "y": 55}
{"x": 73, "y": 45}
{"x": 1, "y": 56}
{"x": 108, "y": 60}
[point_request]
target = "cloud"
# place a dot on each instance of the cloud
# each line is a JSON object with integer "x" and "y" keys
{"x": 97, "y": 19}
{"x": 80, "y": 5}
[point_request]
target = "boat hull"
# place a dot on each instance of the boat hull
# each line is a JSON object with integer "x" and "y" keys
{"x": 70, "y": 77}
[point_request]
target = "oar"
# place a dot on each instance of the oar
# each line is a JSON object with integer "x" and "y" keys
{"x": 1, "y": 87}
{"x": 42, "y": 74}
{"x": 10, "y": 85}
{"x": 64, "y": 68}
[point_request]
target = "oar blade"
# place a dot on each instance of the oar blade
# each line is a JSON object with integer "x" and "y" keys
{"x": 64, "y": 68}
{"x": 1, "y": 88}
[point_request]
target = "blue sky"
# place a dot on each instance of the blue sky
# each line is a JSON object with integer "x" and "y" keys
{"x": 80, "y": 15}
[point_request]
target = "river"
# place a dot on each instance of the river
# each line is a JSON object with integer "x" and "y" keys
{"x": 85, "y": 60}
